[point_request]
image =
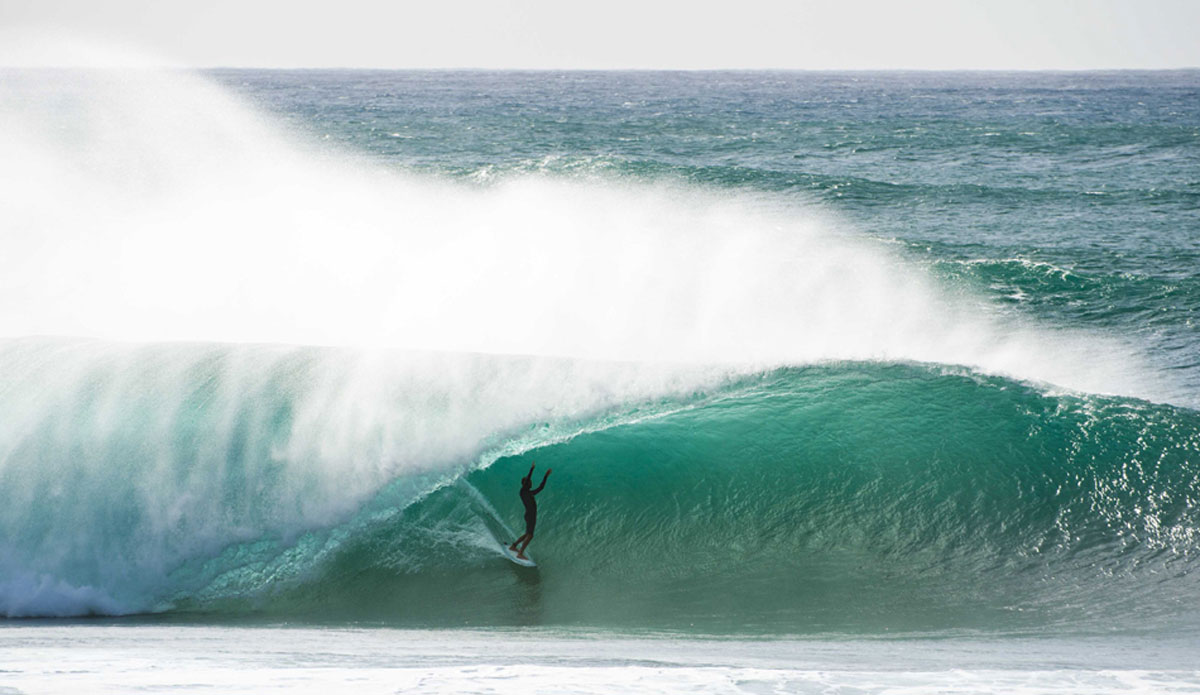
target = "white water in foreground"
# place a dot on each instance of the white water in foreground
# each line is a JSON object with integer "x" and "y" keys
{"x": 172, "y": 658}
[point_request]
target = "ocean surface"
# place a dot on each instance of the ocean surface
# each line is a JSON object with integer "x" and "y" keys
{"x": 850, "y": 382}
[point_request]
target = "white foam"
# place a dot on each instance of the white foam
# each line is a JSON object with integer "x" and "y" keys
{"x": 303, "y": 660}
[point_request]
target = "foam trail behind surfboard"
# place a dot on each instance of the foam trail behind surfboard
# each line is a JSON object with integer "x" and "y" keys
{"x": 493, "y": 522}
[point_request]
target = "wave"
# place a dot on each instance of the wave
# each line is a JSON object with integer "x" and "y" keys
{"x": 1049, "y": 285}
{"x": 864, "y": 191}
{"x": 274, "y": 379}
{"x": 839, "y": 498}
{"x": 847, "y": 496}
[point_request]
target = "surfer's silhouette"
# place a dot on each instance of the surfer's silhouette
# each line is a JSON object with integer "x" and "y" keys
{"x": 527, "y": 493}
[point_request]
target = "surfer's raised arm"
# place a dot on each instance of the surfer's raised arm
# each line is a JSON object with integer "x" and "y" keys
{"x": 539, "y": 487}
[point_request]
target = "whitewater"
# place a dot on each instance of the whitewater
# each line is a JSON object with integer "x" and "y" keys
{"x": 278, "y": 345}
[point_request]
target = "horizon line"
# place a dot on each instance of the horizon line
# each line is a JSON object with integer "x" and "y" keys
{"x": 1187, "y": 68}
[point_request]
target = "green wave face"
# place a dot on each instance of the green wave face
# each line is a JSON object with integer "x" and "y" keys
{"x": 851, "y": 497}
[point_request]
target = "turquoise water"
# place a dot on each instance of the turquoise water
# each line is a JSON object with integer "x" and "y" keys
{"x": 851, "y": 498}
{"x": 809, "y": 354}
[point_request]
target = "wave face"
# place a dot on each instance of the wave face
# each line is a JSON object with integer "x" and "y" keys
{"x": 245, "y": 375}
{"x": 838, "y": 498}
{"x": 853, "y": 496}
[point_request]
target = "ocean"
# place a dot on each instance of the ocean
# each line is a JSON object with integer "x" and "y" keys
{"x": 850, "y": 382}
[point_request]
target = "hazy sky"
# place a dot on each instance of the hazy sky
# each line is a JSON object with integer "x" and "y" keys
{"x": 831, "y": 34}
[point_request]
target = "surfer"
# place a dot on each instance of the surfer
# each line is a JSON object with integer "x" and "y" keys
{"x": 527, "y": 493}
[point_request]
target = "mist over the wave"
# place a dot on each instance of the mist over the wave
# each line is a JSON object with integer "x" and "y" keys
{"x": 150, "y": 206}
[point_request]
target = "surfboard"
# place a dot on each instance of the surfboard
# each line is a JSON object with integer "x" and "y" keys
{"x": 496, "y": 527}
{"x": 512, "y": 555}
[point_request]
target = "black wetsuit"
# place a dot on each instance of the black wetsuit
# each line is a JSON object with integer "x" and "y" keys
{"x": 531, "y": 506}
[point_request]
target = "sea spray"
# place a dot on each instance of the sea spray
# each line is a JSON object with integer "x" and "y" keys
{"x": 158, "y": 207}
{"x": 184, "y": 444}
